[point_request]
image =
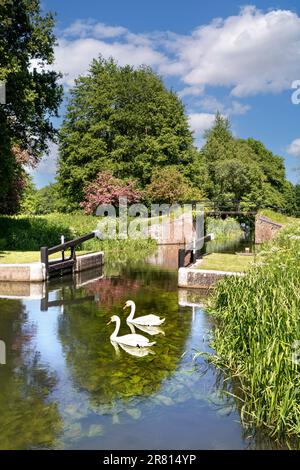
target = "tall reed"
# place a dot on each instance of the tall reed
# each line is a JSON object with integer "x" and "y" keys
{"x": 257, "y": 335}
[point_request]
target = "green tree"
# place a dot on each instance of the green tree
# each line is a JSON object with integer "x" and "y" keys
{"x": 29, "y": 198}
{"x": 123, "y": 120}
{"x": 243, "y": 170}
{"x": 45, "y": 200}
{"x": 32, "y": 93}
{"x": 297, "y": 200}
{"x": 170, "y": 186}
{"x": 238, "y": 179}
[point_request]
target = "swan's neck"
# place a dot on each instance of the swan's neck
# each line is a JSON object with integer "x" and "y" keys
{"x": 132, "y": 312}
{"x": 132, "y": 329}
{"x": 115, "y": 333}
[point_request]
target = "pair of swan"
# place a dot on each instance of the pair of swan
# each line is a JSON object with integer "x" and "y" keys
{"x": 134, "y": 339}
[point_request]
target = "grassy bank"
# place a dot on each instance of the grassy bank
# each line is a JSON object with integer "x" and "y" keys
{"x": 277, "y": 217}
{"x": 257, "y": 334}
{"x": 226, "y": 262}
{"x": 12, "y": 257}
{"x": 22, "y": 236}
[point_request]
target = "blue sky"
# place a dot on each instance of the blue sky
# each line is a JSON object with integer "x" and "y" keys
{"x": 238, "y": 57}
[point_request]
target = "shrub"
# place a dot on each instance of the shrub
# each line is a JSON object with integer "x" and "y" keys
{"x": 107, "y": 189}
{"x": 169, "y": 185}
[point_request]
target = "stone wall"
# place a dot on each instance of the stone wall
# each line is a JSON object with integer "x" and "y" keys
{"x": 34, "y": 272}
{"x": 201, "y": 278}
{"x": 173, "y": 231}
{"x": 89, "y": 261}
{"x": 265, "y": 229}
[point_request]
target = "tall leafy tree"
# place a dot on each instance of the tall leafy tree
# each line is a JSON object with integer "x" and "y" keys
{"x": 243, "y": 170}
{"x": 33, "y": 94}
{"x": 297, "y": 200}
{"x": 123, "y": 120}
{"x": 170, "y": 186}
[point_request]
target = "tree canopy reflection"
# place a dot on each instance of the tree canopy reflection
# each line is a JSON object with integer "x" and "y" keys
{"x": 109, "y": 377}
{"x": 27, "y": 418}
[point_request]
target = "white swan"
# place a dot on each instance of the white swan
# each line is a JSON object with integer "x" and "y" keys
{"x": 129, "y": 340}
{"x": 147, "y": 320}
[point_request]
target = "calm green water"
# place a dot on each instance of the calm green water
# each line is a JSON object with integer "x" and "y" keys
{"x": 65, "y": 386}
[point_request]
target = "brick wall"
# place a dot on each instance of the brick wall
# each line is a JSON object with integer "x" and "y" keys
{"x": 265, "y": 229}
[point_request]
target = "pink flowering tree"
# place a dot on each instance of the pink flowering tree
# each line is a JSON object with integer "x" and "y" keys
{"x": 107, "y": 189}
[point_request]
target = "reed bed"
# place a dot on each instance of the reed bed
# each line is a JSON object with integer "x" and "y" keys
{"x": 257, "y": 336}
{"x": 227, "y": 229}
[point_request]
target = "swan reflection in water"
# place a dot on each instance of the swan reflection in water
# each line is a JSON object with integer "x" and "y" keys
{"x": 150, "y": 330}
{"x": 132, "y": 350}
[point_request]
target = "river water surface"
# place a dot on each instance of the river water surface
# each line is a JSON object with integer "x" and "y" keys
{"x": 65, "y": 386}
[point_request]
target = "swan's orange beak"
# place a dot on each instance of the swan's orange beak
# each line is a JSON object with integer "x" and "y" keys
{"x": 108, "y": 323}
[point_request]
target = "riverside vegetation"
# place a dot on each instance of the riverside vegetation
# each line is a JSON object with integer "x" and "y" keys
{"x": 22, "y": 236}
{"x": 257, "y": 335}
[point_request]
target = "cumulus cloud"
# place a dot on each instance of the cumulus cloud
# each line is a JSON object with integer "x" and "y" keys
{"x": 92, "y": 28}
{"x": 85, "y": 40}
{"x": 237, "y": 108}
{"x": 232, "y": 108}
{"x": 249, "y": 53}
{"x": 73, "y": 57}
{"x": 200, "y": 122}
{"x": 294, "y": 148}
{"x": 191, "y": 90}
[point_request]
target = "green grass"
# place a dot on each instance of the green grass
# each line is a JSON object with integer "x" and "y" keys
{"x": 11, "y": 257}
{"x": 257, "y": 336}
{"x": 21, "y": 237}
{"x": 226, "y": 262}
{"x": 277, "y": 217}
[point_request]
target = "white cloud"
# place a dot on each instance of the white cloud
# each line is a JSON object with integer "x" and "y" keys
{"x": 191, "y": 90}
{"x": 294, "y": 148}
{"x": 91, "y": 28}
{"x": 74, "y": 57}
{"x": 232, "y": 108}
{"x": 249, "y": 53}
{"x": 212, "y": 104}
{"x": 200, "y": 122}
{"x": 237, "y": 108}
{"x": 46, "y": 169}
